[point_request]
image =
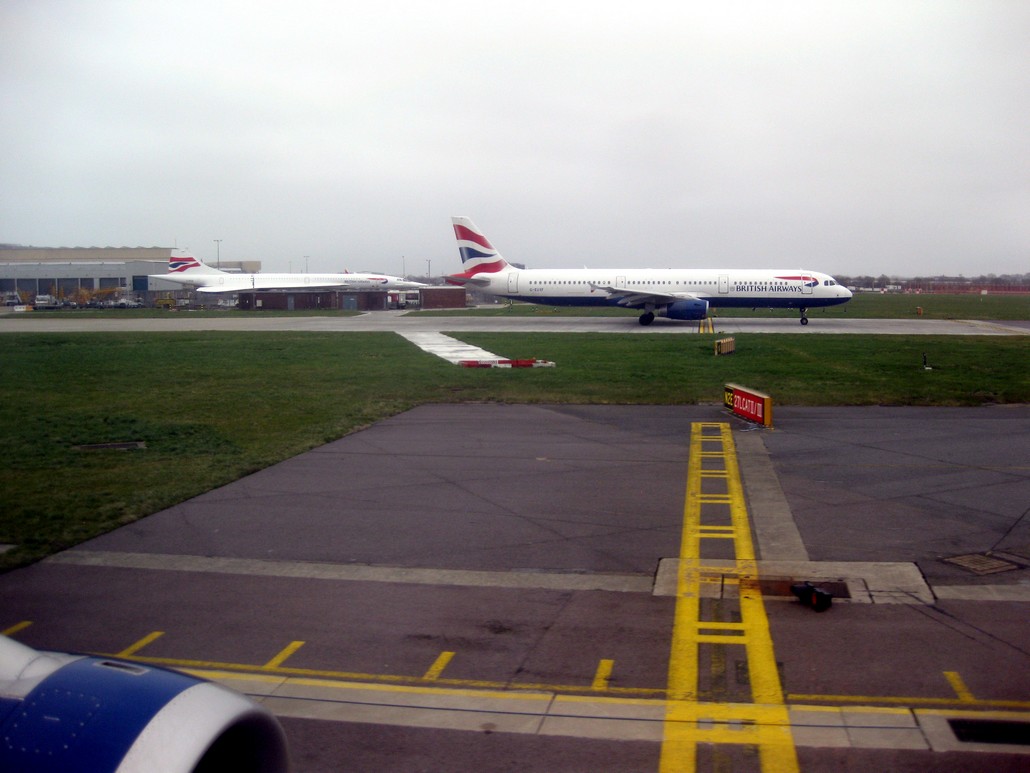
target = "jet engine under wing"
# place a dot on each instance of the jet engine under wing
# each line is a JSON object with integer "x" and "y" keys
{"x": 61, "y": 712}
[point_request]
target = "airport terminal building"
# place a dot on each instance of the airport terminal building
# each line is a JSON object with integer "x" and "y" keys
{"x": 81, "y": 274}
{"x": 77, "y": 276}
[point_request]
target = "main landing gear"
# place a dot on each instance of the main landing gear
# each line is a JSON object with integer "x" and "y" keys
{"x": 804, "y": 316}
{"x": 647, "y": 318}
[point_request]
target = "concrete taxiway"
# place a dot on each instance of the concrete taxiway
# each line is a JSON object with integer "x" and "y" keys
{"x": 497, "y": 587}
{"x": 403, "y": 321}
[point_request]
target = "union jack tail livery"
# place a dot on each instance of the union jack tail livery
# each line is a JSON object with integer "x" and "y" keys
{"x": 478, "y": 256}
{"x": 180, "y": 264}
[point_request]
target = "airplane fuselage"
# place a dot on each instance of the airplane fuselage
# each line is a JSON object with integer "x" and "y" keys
{"x": 680, "y": 294}
{"x": 231, "y": 283}
{"x": 751, "y": 288}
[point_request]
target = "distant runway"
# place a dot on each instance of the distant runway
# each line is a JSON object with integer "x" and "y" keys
{"x": 413, "y": 322}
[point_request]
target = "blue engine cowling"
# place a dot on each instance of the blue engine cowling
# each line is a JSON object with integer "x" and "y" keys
{"x": 693, "y": 308}
{"x": 63, "y": 712}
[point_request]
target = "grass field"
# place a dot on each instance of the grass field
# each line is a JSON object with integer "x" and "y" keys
{"x": 211, "y": 407}
{"x": 863, "y": 305}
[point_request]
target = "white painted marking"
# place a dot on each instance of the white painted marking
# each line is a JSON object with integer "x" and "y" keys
{"x": 619, "y": 583}
{"x": 448, "y": 348}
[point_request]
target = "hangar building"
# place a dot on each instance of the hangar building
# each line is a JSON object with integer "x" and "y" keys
{"x": 83, "y": 273}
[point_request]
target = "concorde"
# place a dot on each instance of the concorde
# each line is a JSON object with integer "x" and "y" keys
{"x": 194, "y": 274}
{"x": 681, "y": 294}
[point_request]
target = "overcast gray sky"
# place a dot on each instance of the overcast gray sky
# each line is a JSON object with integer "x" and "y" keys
{"x": 850, "y": 137}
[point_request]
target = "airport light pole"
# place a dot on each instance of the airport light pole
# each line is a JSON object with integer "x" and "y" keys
{"x": 218, "y": 253}
{"x": 429, "y": 267}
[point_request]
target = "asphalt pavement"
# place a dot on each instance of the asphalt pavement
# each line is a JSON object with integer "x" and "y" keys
{"x": 494, "y": 587}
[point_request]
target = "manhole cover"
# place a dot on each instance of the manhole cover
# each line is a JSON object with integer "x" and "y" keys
{"x": 978, "y": 563}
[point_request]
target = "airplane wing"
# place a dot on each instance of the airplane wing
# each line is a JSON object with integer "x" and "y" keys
{"x": 213, "y": 290}
{"x": 638, "y": 299}
{"x": 283, "y": 284}
{"x": 271, "y": 287}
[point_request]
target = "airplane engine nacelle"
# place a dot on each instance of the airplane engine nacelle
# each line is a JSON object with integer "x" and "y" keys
{"x": 693, "y": 308}
{"x": 63, "y": 712}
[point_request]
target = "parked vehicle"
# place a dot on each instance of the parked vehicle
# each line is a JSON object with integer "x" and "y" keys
{"x": 46, "y": 302}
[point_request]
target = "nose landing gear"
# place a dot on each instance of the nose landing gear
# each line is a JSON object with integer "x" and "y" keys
{"x": 804, "y": 316}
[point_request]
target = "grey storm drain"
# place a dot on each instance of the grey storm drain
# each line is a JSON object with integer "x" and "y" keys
{"x": 981, "y": 563}
{"x": 991, "y": 731}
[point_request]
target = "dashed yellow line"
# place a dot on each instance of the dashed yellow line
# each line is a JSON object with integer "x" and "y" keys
{"x": 132, "y": 650}
{"x": 603, "y": 675}
{"x": 689, "y": 721}
{"x": 279, "y": 659}
{"x": 629, "y": 693}
{"x": 16, "y": 628}
{"x": 959, "y": 686}
{"x": 617, "y": 693}
{"x": 438, "y": 666}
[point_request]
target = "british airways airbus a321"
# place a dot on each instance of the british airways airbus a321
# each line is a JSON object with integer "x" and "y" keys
{"x": 192, "y": 273}
{"x": 684, "y": 294}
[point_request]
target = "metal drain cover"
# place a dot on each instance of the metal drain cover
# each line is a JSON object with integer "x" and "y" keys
{"x": 980, "y": 563}
{"x": 991, "y": 731}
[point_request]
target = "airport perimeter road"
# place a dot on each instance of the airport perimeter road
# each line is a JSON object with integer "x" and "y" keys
{"x": 583, "y": 588}
{"x": 403, "y": 321}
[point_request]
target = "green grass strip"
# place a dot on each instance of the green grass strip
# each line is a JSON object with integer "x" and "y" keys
{"x": 211, "y": 407}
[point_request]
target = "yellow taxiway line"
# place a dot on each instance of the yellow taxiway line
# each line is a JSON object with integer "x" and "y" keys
{"x": 713, "y": 488}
